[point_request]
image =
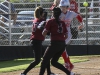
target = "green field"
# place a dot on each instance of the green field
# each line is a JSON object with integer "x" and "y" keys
{"x": 21, "y": 64}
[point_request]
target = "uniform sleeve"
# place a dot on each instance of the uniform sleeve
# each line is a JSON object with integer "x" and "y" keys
{"x": 80, "y": 19}
{"x": 78, "y": 16}
{"x": 47, "y": 26}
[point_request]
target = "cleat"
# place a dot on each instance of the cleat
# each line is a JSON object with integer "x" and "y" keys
{"x": 22, "y": 74}
{"x": 69, "y": 66}
{"x": 52, "y": 74}
{"x": 71, "y": 73}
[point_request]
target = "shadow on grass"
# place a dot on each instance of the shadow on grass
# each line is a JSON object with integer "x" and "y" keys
{"x": 16, "y": 62}
{"x": 26, "y": 61}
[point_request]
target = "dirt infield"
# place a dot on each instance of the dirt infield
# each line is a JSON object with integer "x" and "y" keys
{"x": 91, "y": 67}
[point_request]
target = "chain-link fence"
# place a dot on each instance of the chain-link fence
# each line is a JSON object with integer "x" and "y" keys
{"x": 19, "y": 33}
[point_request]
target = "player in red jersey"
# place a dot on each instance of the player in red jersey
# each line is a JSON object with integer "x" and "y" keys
{"x": 73, "y": 7}
{"x": 58, "y": 33}
{"x": 36, "y": 41}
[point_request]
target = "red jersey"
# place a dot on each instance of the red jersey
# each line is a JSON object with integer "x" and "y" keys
{"x": 74, "y": 6}
{"x": 37, "y": 33}
{"x": 54, "y": 28}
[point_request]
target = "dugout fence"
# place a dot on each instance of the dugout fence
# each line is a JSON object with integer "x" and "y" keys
{"x": 18, "y": 35}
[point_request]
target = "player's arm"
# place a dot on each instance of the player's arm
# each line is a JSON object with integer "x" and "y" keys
{"x": 44, "y": 33}
{"x": 80, "y": 19}
{"x": 41, "y": 25}
{"x": 55, "y": 4}
{"x": 46, "y": 29}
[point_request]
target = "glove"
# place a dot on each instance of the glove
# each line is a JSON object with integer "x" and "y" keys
{"x": 41, "y": 25}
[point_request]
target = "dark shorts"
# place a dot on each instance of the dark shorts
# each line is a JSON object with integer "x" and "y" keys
{"x": 55, "y": 48}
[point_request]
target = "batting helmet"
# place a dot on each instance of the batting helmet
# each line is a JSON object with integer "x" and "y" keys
{"x": 64, "y": 3}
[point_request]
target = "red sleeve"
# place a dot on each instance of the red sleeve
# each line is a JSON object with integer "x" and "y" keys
{"x": 80, "y": 19}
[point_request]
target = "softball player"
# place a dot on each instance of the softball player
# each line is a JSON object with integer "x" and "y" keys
{"x": 36, "y": 41}
{"x": 58, "y": 31}
{"x": 67, "y": 17}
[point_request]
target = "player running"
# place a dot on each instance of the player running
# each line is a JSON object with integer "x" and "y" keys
{"x": 58, "y": 31}
{"x": 36, "y": 41}
{"x": 67, "y": 16}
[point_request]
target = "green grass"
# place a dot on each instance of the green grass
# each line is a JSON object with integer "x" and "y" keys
{"x": 21, "y": 64}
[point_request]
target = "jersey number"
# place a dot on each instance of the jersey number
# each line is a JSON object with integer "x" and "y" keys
{"x": 60, "y": 28}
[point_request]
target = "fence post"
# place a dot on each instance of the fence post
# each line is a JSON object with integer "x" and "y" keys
{"x": 40, "y": 2}
{"x": 86, "y": 9}
{"x": 79, "y": 5}
{"x": 9, "y": 5}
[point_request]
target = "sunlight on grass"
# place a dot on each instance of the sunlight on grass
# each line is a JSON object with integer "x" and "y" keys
{"x": 21, "y": 64}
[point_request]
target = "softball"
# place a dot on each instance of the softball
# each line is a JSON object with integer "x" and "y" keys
{"x": 85, "y": 4}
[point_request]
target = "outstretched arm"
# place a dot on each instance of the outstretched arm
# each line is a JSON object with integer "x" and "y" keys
{"x": 55, "y": 4}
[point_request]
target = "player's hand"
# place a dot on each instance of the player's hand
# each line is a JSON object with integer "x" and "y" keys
{"x": 80, "y": 27}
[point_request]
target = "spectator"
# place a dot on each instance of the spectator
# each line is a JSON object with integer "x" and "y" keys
{"x": 13, "y": 13}
{"x": 73, "y": 6}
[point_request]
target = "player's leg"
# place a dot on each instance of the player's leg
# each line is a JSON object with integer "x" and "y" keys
{"x": 56, "y": 57}
{"x": 37, "y": 47}
{"x": 46, "y": 59}
{"x": 67, "y": 61}
{"x": 48, "y": 65}
{"x": 65, "y": 56}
